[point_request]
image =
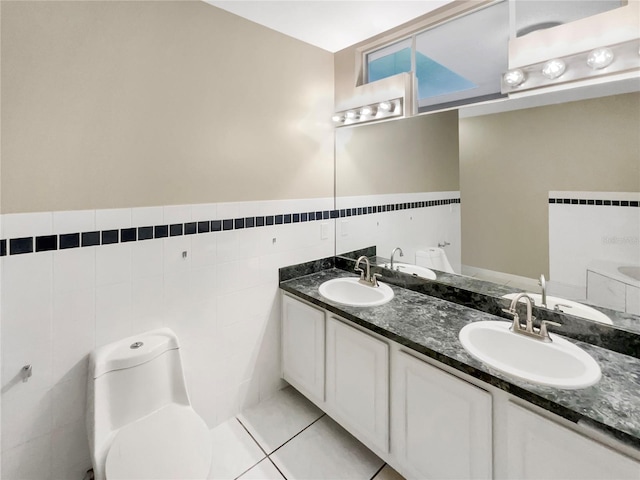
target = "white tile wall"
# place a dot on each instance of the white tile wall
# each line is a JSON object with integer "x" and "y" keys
{"x": 74, "y": 221}
{"x": 221, "y": 300}
{"x": 113, "y": 218}
{"x": 580, "y": 234}
{"x": 177, "y": 214}
{"x": 147, "y": 216}
{"x": 410, "y": 229}
{"x": 16, "y": 225}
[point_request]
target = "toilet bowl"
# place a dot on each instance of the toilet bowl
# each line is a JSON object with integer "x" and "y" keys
{"x": 140, "y": 421}
{"x": 434, "y": 258}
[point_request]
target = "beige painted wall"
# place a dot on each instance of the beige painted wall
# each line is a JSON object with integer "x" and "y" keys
{"x": 418, "y": 154}
{"x": 123, "y": 104}
{"x": 510, "y": 161}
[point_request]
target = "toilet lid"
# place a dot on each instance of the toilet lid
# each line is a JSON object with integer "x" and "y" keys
{"x": 172, "y": 443}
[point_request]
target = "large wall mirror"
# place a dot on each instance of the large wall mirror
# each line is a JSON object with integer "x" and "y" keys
{"x": 504, "y": 197}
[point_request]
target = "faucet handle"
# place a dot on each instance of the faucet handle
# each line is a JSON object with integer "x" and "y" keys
{"x": 543, "y": 329}
{"x": 361, "y": 271}
{"x": 556, "y": 307}
{"x": 516, "y": 326}
{"x": 374, "y": 279}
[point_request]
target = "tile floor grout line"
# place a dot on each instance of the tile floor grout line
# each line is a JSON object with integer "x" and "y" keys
{"x": 276, "y": 467}
{"x": 379, "y": 470}
{"x": 255, "y": 464}
{"x": 321, "y": 416}
{"x": 252, "y": 437}
{"x": 267, "y": 455}
{"x": 260, "y": 447}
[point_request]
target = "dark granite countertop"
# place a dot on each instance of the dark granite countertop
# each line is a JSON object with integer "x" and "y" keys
{"x": 620, "y": 320}
{"x": 431, "y": 325}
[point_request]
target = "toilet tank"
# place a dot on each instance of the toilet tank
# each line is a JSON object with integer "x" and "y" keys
{"x": 132, "y": 378}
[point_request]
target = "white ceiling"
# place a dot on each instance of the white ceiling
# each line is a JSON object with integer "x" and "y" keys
{"x": 330, "y": 24}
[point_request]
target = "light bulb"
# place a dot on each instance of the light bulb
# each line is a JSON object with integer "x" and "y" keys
{"x": 600, "y": 58}
{"x": 553, "y": 68}
{"x": 337, "y": 118}
{"x": 386, "y": 106}
{"x": 368, "y": 111}
{"x": 351, "y": 115}
{"x": 513, "y": 78}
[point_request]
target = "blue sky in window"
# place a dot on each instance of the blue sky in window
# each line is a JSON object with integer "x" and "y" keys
{"x": 388, "y": 65}
{"x": 433, "y": 78}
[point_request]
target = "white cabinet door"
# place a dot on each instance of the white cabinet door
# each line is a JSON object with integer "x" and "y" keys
{"x": 358, "y": 383}
{"x": 539, "y": 448}
{"x": 441, "y": 424}
{"x": 303, "y": 347}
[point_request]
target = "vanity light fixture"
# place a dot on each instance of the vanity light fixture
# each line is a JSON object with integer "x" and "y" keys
{"x": 368, "y": 113}
{"x": 600, "y": 58}
{"x": 621, "y": 58}
{"x": 554, "y": 68}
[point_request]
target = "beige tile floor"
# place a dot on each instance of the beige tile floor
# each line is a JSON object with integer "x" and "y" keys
{"x": 287, "y": 437}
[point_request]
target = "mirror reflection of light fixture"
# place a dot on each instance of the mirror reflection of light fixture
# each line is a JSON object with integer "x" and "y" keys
{"x": 554, "y": 68}
{"x": 367, "y": 113}
{"x": 513, "y": 78}
{"x": 600, "y": 58}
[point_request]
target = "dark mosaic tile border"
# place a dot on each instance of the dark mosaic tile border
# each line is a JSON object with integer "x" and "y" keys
{"x": 594, "y": 202}
{"x": 18, "y": 246}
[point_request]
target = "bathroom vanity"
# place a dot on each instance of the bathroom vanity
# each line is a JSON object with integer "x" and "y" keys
{"x": 397, "y": 378}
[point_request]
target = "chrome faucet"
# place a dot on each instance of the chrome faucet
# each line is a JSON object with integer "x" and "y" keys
{"x": 543, "y": 284}
{"x": 527, "y": 329}
{"x": 393, "y": 253}
{"x": 366, "y": 278}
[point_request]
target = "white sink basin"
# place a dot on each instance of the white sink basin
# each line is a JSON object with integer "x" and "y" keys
{"x": 412, "y": 270}
{"x": 567, "y": 306}
{"x": 558, "y": 364}
{"x": 349, "y": 291}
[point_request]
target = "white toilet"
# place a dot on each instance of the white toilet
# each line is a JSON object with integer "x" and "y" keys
{"x": 139, "y": 418}
{"x": 434, "y": 258}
